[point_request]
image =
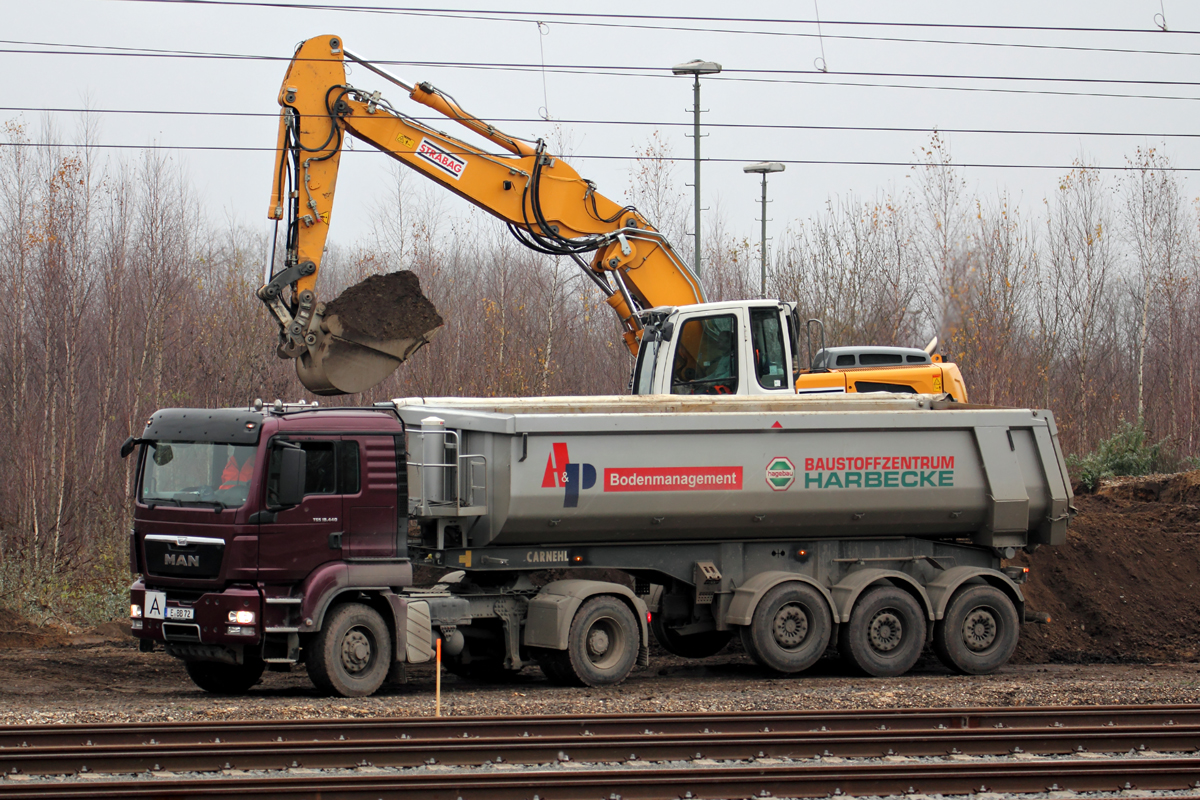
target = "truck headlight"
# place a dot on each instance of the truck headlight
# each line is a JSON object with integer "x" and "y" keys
{"x": 135, "y": 611}
{"x": 242, "y": 617}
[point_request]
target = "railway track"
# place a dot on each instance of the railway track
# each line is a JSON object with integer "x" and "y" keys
{"x": 709, "y": 755}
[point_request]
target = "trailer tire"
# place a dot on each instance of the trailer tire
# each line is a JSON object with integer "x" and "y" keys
{"x": 602, "y": 645}
{"x": 351, "y": 653}
{"x": 886, "y": 633}
{"x": 790, "y": 629}
{"x": 978, "y": 632}
{"x": 216, "y": 677}
{"x": 694, "y": 645}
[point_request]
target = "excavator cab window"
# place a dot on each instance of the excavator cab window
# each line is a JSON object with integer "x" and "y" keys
{"x": 770, "y": 356}
{"x": 706, "y": 359}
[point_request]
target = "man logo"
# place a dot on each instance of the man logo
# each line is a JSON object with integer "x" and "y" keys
{"x": 172, "y": 560}
{"x": 561, "y": 473}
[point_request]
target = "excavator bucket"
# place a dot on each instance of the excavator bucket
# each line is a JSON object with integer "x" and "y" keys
{"x": 367, "y": 331}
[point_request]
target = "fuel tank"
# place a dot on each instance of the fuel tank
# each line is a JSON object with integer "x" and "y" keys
{"x": 573, "y": 470}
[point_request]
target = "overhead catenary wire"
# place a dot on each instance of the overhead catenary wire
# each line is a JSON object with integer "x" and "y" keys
{"x": 644, "y": 123}
{"x": 612, "y": 157}
{"x": 481, "y": 12}
{"x": 626, "y": 72}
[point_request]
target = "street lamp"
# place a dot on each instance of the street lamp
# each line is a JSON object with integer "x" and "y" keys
{"x": 762, "y": 168}
{"x": 697, "y": 68}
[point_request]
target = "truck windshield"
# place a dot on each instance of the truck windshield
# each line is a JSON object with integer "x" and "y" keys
{"x": 198, "y": 473}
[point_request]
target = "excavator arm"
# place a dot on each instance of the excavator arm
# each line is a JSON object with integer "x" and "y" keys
{"x": 342, "y": 348}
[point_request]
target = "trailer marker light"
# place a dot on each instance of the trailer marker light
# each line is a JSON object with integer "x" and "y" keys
{"x": 578, "y": 559}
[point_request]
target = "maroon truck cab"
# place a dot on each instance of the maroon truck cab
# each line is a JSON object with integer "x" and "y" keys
{"x": 250, "y": 523}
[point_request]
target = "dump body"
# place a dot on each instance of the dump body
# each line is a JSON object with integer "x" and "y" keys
{"x": 561, "y": 471}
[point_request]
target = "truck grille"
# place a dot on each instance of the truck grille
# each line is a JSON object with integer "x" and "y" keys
{"x": 184, "y": 556}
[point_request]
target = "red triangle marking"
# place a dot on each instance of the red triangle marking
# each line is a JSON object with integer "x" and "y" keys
{"x": 776, "y": 425}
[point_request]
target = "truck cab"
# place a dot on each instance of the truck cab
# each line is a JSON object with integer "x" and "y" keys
{"x": 249, "y": 523}
{"x": 743, "y": 347}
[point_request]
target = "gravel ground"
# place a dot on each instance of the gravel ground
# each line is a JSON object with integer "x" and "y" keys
{"x": 105, "y": 681}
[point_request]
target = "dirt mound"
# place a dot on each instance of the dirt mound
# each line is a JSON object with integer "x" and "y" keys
{"x": 387, "y": 306}
{"x": 1126, "y": 585}
{"x": 16, "y": 632}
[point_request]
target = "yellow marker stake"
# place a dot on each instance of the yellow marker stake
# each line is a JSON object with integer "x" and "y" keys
{"x": 438, "y": 690}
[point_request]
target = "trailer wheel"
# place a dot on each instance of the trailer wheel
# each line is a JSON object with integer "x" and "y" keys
{"x": 603, "y": 643}
{"x": 979, "y": 631}
{"x": 790, "y": 628}
{"x": 215, "y": 677}
{"x": 351, "y": 653}
{"x": 694, "y": 645}
{"x": 886, "y": 633}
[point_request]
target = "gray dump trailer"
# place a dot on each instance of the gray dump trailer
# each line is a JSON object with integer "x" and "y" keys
{"x": 567, "y": 531}
{"x": 878, "y": 523}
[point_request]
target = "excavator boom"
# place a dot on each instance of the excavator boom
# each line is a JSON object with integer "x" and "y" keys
{"x": 357, "y": 340}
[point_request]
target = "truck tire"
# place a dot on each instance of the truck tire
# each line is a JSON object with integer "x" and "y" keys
{"x": 602, "y": 645}
{"x": 790, "y": 628}
{"x": 352, "y": 652}
{"x": 215, "y": 677}
{"x": 978, "y": 632}
{"x": 695, "y": 645}
{"x": 886, "y": 633}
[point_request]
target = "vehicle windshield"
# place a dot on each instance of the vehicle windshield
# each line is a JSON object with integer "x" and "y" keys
{"x": 198, "y": 473}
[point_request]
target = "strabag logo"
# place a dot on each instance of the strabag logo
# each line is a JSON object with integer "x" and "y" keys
{"x": 561, "y": 473}
{"x": 781, "y": 474}
{"x": 441, "y": 158}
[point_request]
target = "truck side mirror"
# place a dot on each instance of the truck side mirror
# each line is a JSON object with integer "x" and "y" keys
{"x": 293, "y": 463}
{"x": 127, "y": 446}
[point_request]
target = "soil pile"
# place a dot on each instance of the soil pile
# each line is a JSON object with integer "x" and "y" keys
{"x": 16, "y": 631}
{"x": 1126, "y": 585}
{"x": 386, "y": 307}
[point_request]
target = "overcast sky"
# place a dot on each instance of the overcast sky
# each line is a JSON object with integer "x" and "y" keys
{"x": 616, "y": 70}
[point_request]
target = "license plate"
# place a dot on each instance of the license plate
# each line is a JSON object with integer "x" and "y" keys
{"x": 180, "y": 613}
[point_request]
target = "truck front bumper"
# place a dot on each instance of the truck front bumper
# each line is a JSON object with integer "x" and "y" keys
{"x": 231, "y": 618}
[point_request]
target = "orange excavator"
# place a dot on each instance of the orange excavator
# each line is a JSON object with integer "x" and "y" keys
{"x": 356, "y": 340}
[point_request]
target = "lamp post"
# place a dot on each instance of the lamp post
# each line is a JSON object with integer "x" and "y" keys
{"x": 762, "y": 168}
{"x": 697, "y": 68}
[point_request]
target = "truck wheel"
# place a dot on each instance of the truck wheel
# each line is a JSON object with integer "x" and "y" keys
{"x": 351, "y": 653}
{"x": 694, "y": 645}
{"x": 979, "y": 631}
{"x": 603, "y": 643}
{"x": 219, "y": 678}
{"x": 886, "y": 633}
{"x": 790, "y": 628}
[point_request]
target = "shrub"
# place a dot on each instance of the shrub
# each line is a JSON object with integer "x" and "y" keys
{"x": 1127, "y": 452}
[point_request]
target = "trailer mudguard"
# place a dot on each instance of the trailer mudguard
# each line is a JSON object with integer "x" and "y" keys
{"x": 548, "y": 621}
{"x": 746, "y": 596}
{"x": 945, "y": 585}
{"x": 846, "y": 591}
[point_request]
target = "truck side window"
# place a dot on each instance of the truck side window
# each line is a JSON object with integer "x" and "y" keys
{"x": 332, "y": 468}
{"x": 770, "y": 358}
{"x": 706, "y": 358}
